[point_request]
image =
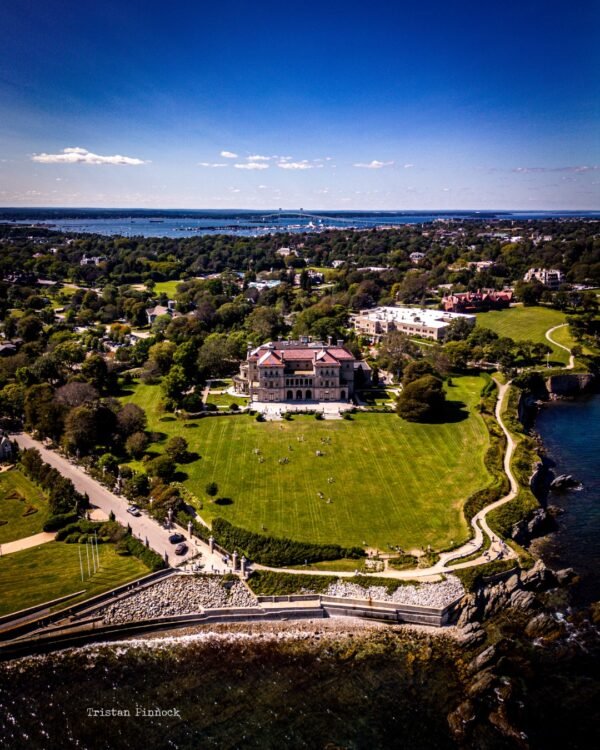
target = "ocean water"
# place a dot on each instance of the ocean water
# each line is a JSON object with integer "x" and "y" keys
{"x": 181, "y": 223}
{"x": 570, "y": 432}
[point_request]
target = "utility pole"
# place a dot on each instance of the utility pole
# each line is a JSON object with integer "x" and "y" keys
{"x": 80, "y": 562}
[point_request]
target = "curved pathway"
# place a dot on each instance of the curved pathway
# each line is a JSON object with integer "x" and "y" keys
{"x": 26, "y": 542}
{"x": 561, "y": 346}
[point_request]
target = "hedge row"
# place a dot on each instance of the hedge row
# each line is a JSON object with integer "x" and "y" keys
{"x": 268, "y": 583}
{"x": 276, "y": 551}
{"x": 131, "y": 546}
{"x": 271, "y": 583}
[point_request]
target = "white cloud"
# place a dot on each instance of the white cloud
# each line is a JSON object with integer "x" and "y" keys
{"x": 408, "y": 166}
{"x": 374, "y": 164}
{"x": 577, "y": 169}
{"x": 445, "y": 190}
{"x": 295, "y": 164}
{"x": 77, "y": 155}
{"x": 228, "y": 155}
{"x": 211, "y": 164}
{"x": 252, "y": 165}
{"x": 258, "y": 157}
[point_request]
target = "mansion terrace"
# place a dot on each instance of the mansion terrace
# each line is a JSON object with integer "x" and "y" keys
{"x": 303, "y": 370}
{"x": 414, "y": 321}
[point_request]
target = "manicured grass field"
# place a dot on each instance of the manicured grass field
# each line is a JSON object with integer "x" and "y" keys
{"x": 526, "y": 323}
{"x": 17, "y": 493}
{"x": 563, "y": 336}
{"x": 393, "y": 482}
{"x": 52, "y": 570}
{"x": 167, "y": 287}
{"x": 225, "y": 399}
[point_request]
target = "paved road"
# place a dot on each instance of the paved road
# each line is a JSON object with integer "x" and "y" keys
{"x": 143, "y": 527}
{"x": 549, "y": 333}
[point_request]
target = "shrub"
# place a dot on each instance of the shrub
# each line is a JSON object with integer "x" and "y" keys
{"x": 57, "y": 521}
{"x": 260, "y": 418}
{"x": 277, "y": 551}
{"x": 268, "y": 583}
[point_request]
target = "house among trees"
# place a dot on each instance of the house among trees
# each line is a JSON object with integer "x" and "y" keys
{"x": 303, "y": 370}
{"x": 155, "y": 312}
{"x": 479, "y": 301}
{"x": 549, "y": 277}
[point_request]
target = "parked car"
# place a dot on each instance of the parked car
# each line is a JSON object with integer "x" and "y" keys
{"x": 181, "y": 549}
{"x": 176, "y": 538}
{"x": 134, "y": 510}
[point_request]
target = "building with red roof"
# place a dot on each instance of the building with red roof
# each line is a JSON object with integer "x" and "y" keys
{"x": 303, "y": 370}
{"x": 480, "y": 301}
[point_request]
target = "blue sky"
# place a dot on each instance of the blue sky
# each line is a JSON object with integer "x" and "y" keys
{"x": 349, "y": 104}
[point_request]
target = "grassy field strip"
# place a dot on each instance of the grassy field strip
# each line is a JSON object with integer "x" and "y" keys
{"x": 526, "y": 323}
{"x": 52, "y": 570}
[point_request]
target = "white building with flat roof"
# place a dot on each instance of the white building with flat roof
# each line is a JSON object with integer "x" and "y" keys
{"x": 414, "y": 321}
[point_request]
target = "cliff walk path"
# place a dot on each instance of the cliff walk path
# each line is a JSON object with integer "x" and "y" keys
{"x": 549, "y": 333}
{"x": 156, "y": 536}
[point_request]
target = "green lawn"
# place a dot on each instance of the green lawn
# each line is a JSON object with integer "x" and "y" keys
{"x": 52, "y": 570}
{"x": 563, "y": 336}
{"x": 226, "y": 399}
{"x": 526, "y": 323}
{"x": 167, "y": 287}
{"x": 17, "y": 495}
{"x": 394, "y": 482}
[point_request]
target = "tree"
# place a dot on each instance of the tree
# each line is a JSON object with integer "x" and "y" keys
{"x": 211, "y": 489}
{"x": 81, "y": 429}
{"x": 30, "y": 328}
{"x": 161, "y": 467}
{"x": 176, "y": 448}
{"x": 162, "y": 354}
{"x": 415, "y": 370}
{"x": 395, "y": 350}
{"x": 136, "y": 444}
{"x": 264, "y": 324}
{"x": 421, "y": 400}
{"x": 458, "y": 353}
{"x": 459, "y": 329}
{"x": 95, "y": 371}
{"x": 174, "y": 384}
{"x": 130, "y": 419}
{"x": 76, "y": 394}
{"x": 42, "y": 414}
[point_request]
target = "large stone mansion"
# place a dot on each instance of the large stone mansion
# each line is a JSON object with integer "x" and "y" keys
{"x": 303, "y": 370}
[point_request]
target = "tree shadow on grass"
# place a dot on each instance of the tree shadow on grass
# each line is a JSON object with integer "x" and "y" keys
{"x": 191, "y": 426}
{"x": 122, "y": 391}
{"x": 223, "y": 501}
{"x": 167, "y": 419}
{"x": 453, "y": 411}
{"x": 190, "y": 457}
{"x": 180, "y": 476}
{"x": 157, "y": 437}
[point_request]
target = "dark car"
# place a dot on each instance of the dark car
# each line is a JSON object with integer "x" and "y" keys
{"x": 176, "y": 538}
{"x": 181, "y": 549}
